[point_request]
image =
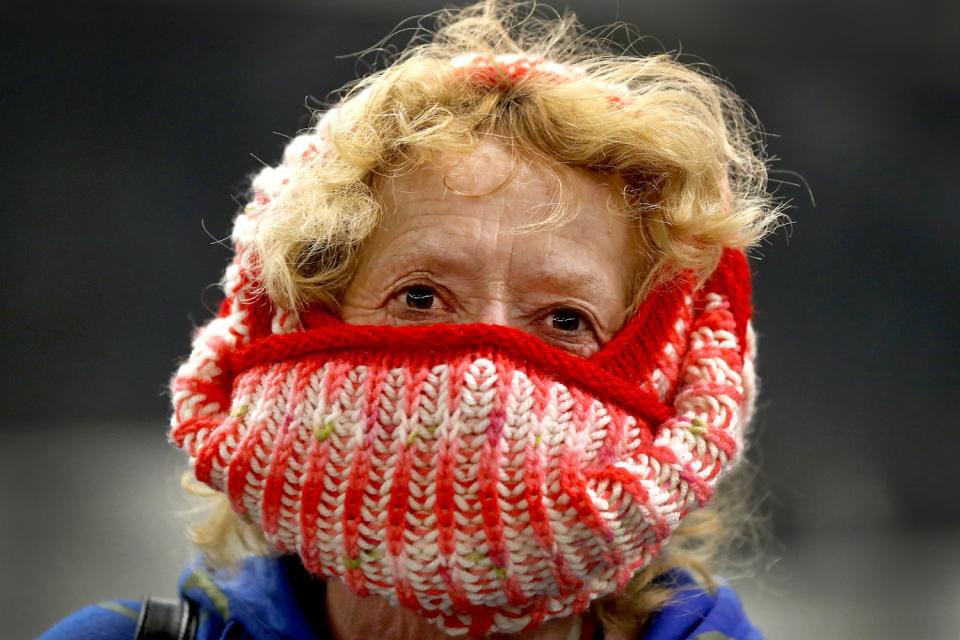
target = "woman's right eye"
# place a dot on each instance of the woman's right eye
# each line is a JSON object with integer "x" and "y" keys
{"x": 420, "y": 297}
{"x": 419, "y": 303}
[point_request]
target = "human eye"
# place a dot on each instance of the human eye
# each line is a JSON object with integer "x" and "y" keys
{"x": 571, "y": 329}
{"x": 420, "y": 296}
{"x": 567, "y": 320}
{"x": 419, "y": 302}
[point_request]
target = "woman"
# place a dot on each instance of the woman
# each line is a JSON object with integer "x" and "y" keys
{"x": 483, "y": 357}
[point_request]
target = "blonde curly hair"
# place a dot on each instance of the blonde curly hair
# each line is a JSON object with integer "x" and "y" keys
{"x": 686, "y": 147}
{"x": 690, "y": 154}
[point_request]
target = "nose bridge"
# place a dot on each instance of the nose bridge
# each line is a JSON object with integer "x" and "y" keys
{"x": 494, "y": 310}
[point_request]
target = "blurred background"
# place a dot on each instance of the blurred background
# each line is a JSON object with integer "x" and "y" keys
{"x": 129, "y": 129}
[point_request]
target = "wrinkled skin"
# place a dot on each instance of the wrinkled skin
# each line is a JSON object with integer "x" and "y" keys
{"x": 448, "y": 250}
{"x": 442, "y": 254}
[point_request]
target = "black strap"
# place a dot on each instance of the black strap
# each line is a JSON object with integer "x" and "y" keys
{"x": 163, "y": 619}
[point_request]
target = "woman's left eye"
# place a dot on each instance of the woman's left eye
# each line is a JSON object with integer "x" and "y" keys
{"x": 566, "y": 320}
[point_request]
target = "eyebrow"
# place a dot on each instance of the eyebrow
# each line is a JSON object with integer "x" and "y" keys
{"x": 430, "y": 255}
{"x": 568, "y": 281}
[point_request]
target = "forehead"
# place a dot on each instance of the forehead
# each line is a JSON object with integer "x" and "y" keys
{"x": 492, "y": 165}
{"x": 470, "y": 215}
{"x": 519, "y": 193}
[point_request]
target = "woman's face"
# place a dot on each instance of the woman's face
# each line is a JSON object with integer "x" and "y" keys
{"x": 447, "y": 250}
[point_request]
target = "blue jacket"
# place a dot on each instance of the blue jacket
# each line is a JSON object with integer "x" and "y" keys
{"x": 262, "y": 601}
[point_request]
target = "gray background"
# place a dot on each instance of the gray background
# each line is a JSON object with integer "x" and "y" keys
{"x": 128, "y": 129}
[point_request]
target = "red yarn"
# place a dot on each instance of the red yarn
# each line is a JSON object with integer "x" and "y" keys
{"x": 384, "y": 455}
